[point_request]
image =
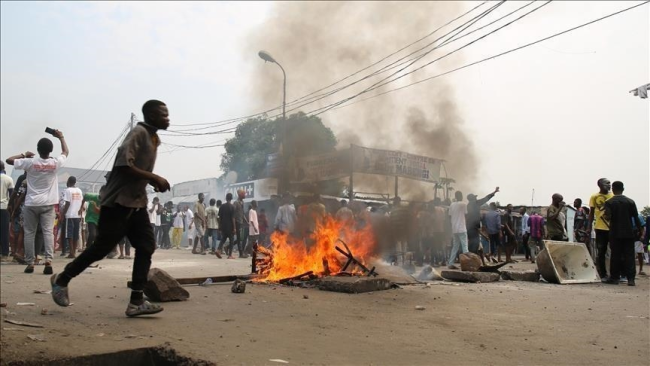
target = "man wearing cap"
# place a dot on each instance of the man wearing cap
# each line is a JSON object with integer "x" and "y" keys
{"x": 474, "y": 219}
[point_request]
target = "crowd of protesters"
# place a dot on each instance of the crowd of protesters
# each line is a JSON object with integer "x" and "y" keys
{"x": 87, "y": 227}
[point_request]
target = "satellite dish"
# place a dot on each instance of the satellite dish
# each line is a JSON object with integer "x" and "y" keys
{"x": 231, "y": 177}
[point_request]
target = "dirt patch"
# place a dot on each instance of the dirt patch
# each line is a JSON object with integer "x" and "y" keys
{"x": 150, "y": 356}
{"x": 505, "y": 323}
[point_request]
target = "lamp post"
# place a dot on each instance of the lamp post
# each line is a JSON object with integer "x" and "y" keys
{"x": 282, "y": 184}
{"x": 268, "y": 58}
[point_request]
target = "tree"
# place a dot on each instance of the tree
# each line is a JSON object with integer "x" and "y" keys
{"x": 246, "y": 153}
{"x": 646, "y": 211}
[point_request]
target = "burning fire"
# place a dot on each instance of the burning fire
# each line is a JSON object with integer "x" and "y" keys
{"x": 289, "y": 256}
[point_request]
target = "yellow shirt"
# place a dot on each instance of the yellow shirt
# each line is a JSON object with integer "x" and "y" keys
{"x": 597, "y": 203}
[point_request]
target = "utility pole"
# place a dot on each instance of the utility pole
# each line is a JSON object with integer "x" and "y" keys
{"x": 532, "y": 198}
{"x": 132, "y": 121}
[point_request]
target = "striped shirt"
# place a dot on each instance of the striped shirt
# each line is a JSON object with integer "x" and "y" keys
{"x": 536, "y": 224}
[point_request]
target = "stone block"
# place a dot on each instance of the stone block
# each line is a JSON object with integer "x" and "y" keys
{"x": 238, "y": 287}
{"x": 354, "y": 285}
{"x": 520, "y": 276}
{"x": 162, "y": 287}
{"x": 470, "y": 262}
{"x": 459, "y": 276}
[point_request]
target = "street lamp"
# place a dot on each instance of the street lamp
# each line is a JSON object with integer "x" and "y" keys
{"x": 283, "y": 181}
{"x": 268, "y": 58}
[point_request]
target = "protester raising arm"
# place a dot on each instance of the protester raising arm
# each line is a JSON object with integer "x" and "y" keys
{"x": 485, "y": 199}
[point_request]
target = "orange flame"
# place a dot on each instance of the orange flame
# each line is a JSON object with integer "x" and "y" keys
{"x": 290, "y": 256}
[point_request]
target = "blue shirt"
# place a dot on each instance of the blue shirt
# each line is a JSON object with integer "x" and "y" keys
{"x": 492, "y": 222}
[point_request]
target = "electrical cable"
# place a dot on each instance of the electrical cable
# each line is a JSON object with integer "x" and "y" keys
{"x": 233, "y": 120}
{"x": 500, "y": 54}
{"x": 385, "y": 81}
{"x": 110, "y": 148}
{"x": 412, "y": 61}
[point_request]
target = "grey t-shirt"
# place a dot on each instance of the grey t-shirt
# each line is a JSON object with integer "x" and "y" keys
{"x": 138, "y": 149}
{"x": 239, "y": 212}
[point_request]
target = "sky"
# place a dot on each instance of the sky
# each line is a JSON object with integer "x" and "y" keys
{"x": 551, "y": 118}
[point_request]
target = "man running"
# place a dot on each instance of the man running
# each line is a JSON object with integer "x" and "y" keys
{"x": 124, "y": 210}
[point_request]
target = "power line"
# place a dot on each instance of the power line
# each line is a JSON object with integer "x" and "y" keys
{"x": 385, "y": 82}
{"x": 451, "y": 37}
{"x": 459, "y": 29}
{"x": 394, "y": 53}
{"x": 110, "y": 148}
{"x": 234, "y": 120}
{"x": 500, "y": 54}
{"x": 413, "y": 60}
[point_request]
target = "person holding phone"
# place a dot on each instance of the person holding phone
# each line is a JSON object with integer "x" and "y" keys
{"x": 41, "y": 197}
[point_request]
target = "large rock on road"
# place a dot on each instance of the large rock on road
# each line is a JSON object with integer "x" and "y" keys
{"x": 162, "y": 287}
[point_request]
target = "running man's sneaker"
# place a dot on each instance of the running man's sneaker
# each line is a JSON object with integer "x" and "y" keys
{"x": 59, "y": 293}
{"x": 146, "y": 308}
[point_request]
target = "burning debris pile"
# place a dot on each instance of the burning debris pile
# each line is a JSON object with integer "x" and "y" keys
{"x": 334, "y": 248}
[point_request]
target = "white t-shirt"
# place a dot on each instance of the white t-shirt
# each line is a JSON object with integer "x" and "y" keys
{"x": 42, "y": 182}
{"x": 178, "y": 220}
{"x": 457, "y": 211}
{"x": 189, "y": 218}
{"x": 6, "y": 183}
{"x": 152, "y": 215}
{"x": 253, "y": 226}
{"x": 75, "y": 197}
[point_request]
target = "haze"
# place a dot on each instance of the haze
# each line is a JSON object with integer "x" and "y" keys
{"x": 554, "y": 117}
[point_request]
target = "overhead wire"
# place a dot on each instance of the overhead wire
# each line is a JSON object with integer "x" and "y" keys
{"x": 498, "y": 55}
{"x": 233, "y": 120}
{"x": 411, "y": 61}
{"x": 386, "y": 80}
{"x": 451, "y": 37}
{"x": 110, "y": 149}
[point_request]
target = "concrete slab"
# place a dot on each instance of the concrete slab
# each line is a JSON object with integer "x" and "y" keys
{"x": 394, "y": 274}
{"x": 354, "y": 285}
{"x": 520, "y": 276}
{"x": 470, "y": 276}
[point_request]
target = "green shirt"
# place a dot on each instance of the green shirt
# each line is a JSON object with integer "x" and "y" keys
{"x": 554, "y": 226}
{"x": 92, "y": 216}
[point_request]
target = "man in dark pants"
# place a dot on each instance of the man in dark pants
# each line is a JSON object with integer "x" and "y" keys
{"x": 226, "y": 226}
{"x": 124, "y": 210}
{"x": 621, "y": 211}
{"x": 492, "y": 224}
{"x": 596, "y": 210}
{"x": 473, "y": 219}
{"x": 510, "y": 242}
{"x": 240, "y": 222}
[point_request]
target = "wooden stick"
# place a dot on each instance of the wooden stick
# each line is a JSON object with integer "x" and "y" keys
{"x": 215, "y": 279}
{"x": 296, "y": 277}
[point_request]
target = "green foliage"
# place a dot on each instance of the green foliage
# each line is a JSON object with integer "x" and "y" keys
{"x": 247, "y": 151}
{"x": 646, "y": 211}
